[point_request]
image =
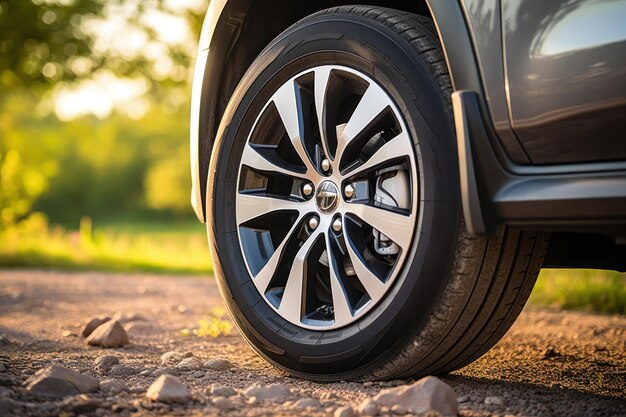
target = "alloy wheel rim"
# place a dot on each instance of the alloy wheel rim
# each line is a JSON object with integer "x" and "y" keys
{"x": 327, "y": 197}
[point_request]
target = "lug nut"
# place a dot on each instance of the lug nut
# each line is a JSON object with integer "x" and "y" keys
{"x": 337, "y": 225}
{"x": 307, "y": 189}
{"x": 325, "y": 165}
{"x": 313, "y": 223}
{"x": 348, "y": 191}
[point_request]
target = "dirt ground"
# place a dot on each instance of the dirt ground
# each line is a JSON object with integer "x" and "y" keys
{"x": 42, "y": 313}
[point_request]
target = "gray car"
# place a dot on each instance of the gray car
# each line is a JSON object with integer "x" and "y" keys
{"x": 382, "y": 185}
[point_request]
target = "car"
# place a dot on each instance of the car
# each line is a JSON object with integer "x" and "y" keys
{"x": 382, "y": 183}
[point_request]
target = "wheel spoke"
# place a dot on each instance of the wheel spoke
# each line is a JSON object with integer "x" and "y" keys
{"x": 373, "y": 102}
{"x": 397, "y": 147}
{"x": 341, "y": 307}
{"x": 397, "y": 227}
{"x": 291, "y": 305}
{"x": 375, "y": 287}
{"x": 250, "y": 206}
{"x": 286, "y": 102}
{"x": 322, "y": 75}
{"x": 264, "y": 276}
{"x": 255, "y": 160}
{"x": 314, "y": 116}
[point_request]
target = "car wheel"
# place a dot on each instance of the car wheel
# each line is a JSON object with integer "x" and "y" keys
{"x": 334, "y": 213}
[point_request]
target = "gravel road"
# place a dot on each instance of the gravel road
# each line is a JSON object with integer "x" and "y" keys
{"x": 550, "y": 362}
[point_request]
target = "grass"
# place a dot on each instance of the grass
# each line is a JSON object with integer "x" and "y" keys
{"x": 174, "y": 247}
{"x": 582, "y": 289}
{"x": 181, "y": 248}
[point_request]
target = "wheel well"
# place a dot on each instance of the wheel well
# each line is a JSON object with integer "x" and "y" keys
{"x": 262, "y": 21}
{"x": 586, "y": 250}
{"x": 244, "y": 29}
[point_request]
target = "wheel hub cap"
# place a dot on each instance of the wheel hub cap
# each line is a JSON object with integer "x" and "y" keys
{"x": 320, "y": 258}
{"x": 327, "y": 197}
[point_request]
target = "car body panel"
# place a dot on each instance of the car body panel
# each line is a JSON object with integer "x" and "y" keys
{"x": 448, "y": 17}
{"x": 484, "y": 22}
{"x": 494, "y": 161}
{"x": 565, "y": 65}
{"x": 214, "y": 12}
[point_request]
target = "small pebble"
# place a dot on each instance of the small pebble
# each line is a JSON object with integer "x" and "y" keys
{"x": 494, "y": 401}
{"x": 550, "y": 352}
{"x": 345, "y": 411}
{"x": 222, "y": 391}
{"x": 368, "y": 408}
{"x": 219, "y": 364}
{"x": 222, "y": 403}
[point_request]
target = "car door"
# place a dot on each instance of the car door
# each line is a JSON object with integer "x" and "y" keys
{"x": 565, "y": 75}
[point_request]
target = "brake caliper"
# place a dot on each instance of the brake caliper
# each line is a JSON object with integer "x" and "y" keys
{"x": 392, "y": 190}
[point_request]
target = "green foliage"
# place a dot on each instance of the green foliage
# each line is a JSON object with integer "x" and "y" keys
{"x": 588, "y": 290}
{"x": 161, "y": 248}
{"x": 37, "y": 38}
{"x": 168, "y": 183}
{"x": 44, "y": 42}
{"x": 216, "y": 324}
{"x": 25, "y": 167}
{"x": 91, "y": 167}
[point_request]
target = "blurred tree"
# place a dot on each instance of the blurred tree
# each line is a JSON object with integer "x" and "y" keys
{"x": 25, "y": 167}
{"x": 44, "y": 42}
{"x": 128, "y": 162}
{"x": 167, "y": 183}
{"x": 38, "y": 38}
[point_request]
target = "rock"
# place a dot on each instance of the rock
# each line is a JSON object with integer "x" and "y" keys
{"x": 146, "y": 372}
{"x": 4, "y": 340}
{"x": 58, "y": 381}
{"x": 168, "y": 389}
{"x": 6, "y": 381}
{"x": 223, "y": 403}
{"x": 346, "y": 411}
{"x": 221, "y": 391}
{"x": 398, "y": 409}
{"x": 122, "y": 370}
{"x": 109, "y": 335}
{"x": 93, "y": 325}
{"x": 368, "y": 408}
{"x": 368, "y": 383}
{"x": 190, "y": 364}
{"x": 173, "y": 358}
{"x": 494, "y": 401}
{"x": 166, "y": 370}
{"x": 305, "y": 403}
{"x": 137, "y": 389}
{"x": 6, "y": 406}
{"x": 113, "y": 386}
{"x": 199, "y": 374}
{"x": 427, "y": 394}
{"x": 2, "y": 368}
{"x": 104, "y": 363}
{"x": 549, "y": 353}
{"x": 274, "y": 392}
{"x": 218, "y": 364}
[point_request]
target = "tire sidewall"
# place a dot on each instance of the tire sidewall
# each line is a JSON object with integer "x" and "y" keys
{"x": 359, "y": 347}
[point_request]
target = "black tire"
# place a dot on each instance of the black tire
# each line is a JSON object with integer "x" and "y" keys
{"x": 457, "y": 294}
